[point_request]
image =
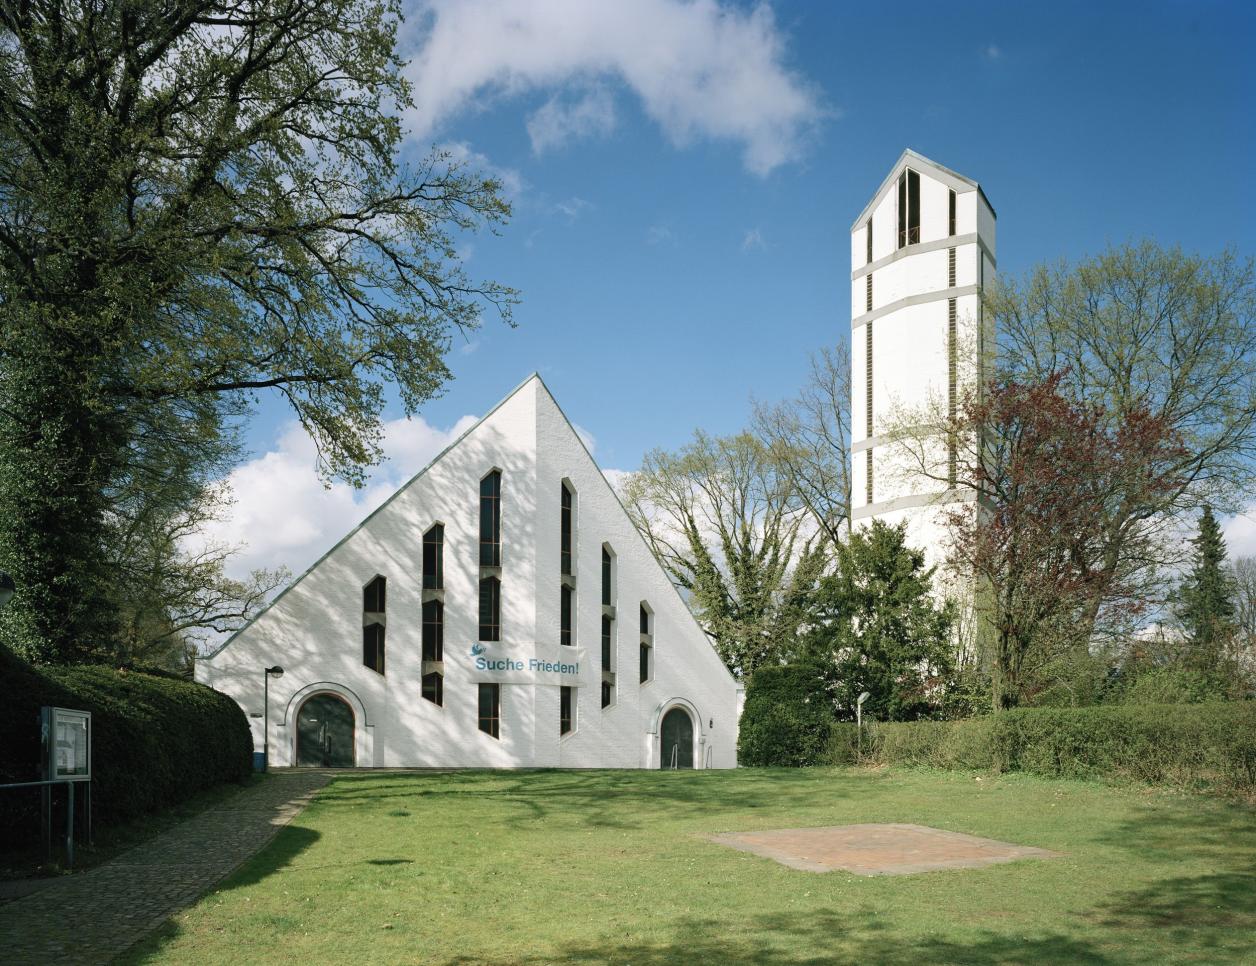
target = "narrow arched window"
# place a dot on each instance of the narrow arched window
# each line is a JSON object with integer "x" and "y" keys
{"x": 373, "y": 647}
{"x": 490, "y": 609}
{"x": 565, "y": 609}
{"x": 373, "y": 596}
{"x": 491, "y": 520}
{"x": 433, "y": 631}
{"x": 491, "y": 709}
{"x": 434, "y": 558}
{"x": 647, "y": 643}
{"x": 566, "y": 529}
{"x": 566, "y": 709}
{"x": 373, "y": 604}
{"x": 434, "y": 687}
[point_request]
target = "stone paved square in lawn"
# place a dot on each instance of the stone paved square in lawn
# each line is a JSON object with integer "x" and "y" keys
{"x": 886, "y": 849}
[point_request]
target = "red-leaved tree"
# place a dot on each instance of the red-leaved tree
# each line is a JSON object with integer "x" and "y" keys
{"x": 1045, "y": 470}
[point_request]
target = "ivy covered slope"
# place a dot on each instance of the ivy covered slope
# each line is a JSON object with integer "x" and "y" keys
{"x": 156, "y": 740}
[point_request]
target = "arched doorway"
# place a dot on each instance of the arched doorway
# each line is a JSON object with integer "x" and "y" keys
{"x": 325, "y": 733}
{"x": 676, "y": 740}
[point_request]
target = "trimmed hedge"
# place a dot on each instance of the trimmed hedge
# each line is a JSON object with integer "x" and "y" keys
{"x": 786, "y": 718}
{"x": 1204, "y": 744}
{"x": 156, "y": 740}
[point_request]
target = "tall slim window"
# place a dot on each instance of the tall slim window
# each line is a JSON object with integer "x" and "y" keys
{"x": 490, "y": 609}
{"x": 950, "y": 267}
{"x": 434, "y": 558}
{"x": 645, "y": 662}
{"x": 565, "y": 708}
{"x": 433, "y": 631}
{"x": 952, "y": 379}
{"x": 491, "y": 709}
{"x": 868, "y": 408}
{"x": 373, "y": 603}
{"x": 868, "y": 233}
{"x": 868, "y": 299}
{"x": 608, "y": 636}
{"x": 565, "y": 532}
{"x": 951, "y": 216}
{"x": 491, "y": 520}
{"x": 373, "y": 596}
{"x": 434, "y": 688}
{"x": 564, "y": 616}
{"x": 647, "y": 640}
{"x": 645, "y": 620}
{"x": 606, "y": 578}
{"x": 908, "y": 208}
{"x": 373, "y": 647}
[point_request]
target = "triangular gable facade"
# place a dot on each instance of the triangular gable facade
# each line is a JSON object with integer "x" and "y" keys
{"x": 570, "y": 681}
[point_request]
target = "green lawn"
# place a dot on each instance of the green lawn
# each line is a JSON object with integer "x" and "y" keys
{"x": 594, "y": 867}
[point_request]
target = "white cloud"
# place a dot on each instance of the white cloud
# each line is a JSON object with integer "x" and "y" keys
{"x": 702, "y": 69}
{"x": 660, "y": 234}
{"x": 462, "y": 153}
{"x": 991, "y": 52}
{"x": 618, "y": 479}
{"x": 284, "y": 516}
{"x": 562, "y": 119}
{"x": 1240, "y": 534}
{"x": 752, "y": 241}
{"x": 573, "y": 208}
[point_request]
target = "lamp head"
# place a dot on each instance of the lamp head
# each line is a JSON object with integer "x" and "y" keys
{"x": 7, "y": 588}
{"x": 862, "y": 698}
{"x": 275, "y": 672}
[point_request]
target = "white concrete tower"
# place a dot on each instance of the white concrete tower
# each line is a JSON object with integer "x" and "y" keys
{"x": 920, "y": 253}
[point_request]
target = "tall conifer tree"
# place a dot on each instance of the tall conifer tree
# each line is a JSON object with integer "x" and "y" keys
{"x": 1206, "y": 597}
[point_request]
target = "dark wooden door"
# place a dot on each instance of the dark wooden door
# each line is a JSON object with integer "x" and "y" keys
{"x": 325, "y": 733}
{"x": 677, "y": 734}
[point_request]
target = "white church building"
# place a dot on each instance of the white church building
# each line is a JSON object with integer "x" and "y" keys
{"x": 499, "y": 610}
{"x": 921, "y": 252}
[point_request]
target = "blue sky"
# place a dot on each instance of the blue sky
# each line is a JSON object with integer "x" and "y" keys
{"x": 684, "y": 177}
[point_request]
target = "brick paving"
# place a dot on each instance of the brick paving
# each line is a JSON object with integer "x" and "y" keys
{"x": 91, "y": 918}
{"x": 878, "y": 849}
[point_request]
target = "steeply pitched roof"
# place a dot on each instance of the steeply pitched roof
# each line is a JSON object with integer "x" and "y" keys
{"x": 379, "y": 509}
{"x": 920, "y": 163}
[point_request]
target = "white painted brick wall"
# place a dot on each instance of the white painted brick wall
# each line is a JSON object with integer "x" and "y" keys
{"x": 314, "y": 630}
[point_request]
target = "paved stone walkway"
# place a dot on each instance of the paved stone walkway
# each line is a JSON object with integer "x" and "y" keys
{"x": 884, "y": 849}
{"x": 91, "y": 918}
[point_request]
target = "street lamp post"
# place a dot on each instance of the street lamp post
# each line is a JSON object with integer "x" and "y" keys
{"x": 864, "y": 696}
{"x": 277, "y": 672}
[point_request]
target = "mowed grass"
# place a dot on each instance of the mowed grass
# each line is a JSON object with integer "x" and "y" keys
{"x": 614, "y": 867}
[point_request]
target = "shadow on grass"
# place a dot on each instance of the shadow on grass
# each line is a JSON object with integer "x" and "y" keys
{"x": 790, "y": 940}
{"x": 593, "y": 798}
{"x": 1212, "y": 912}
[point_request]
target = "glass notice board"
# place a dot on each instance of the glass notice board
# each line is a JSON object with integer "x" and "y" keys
{"x": 67, "y": 737}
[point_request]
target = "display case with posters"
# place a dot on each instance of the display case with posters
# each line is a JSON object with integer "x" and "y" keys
{"x": 67, "y": 740}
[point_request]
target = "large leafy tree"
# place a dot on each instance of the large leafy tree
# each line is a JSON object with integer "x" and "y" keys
{"x": 726, "y": 524}
{"x": 1138, "y": 333}
{"x": 201, "y": 201}
{"x": 1206, "y": 607}
{"x": 1045, "y": 472}
{"x": 878, "y": 628}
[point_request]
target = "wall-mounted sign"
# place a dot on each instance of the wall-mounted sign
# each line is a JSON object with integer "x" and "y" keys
{"x": 510, "y": 665}
{"x": 67, "y": 743}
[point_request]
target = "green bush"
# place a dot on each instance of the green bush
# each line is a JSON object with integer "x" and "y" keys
{"x": 786, "y": 719}
{"x": 1206, "y": 744}
{"x": 156, "y": 740}
{"x": 1172, "y": 685}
